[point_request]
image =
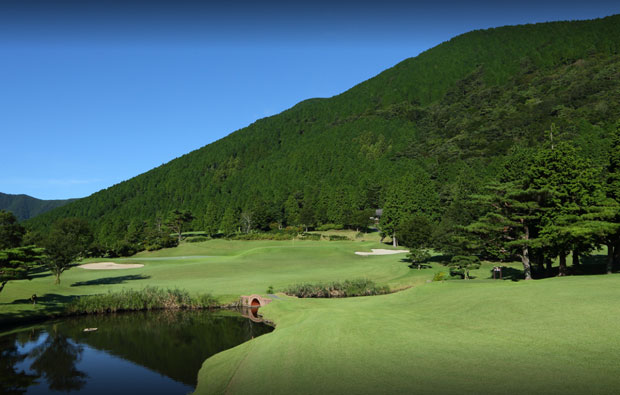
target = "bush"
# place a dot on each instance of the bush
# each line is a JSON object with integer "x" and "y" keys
{"x": 123, "y": 248}
{"x": 196, "y": 239}
{"x": 460, "y": 265}
{"x": 439, "y": 276}
{"x": 337, "y": 238}
{"x": 279, "y": 235}
{"x": 359, "y": 235}
{"x": 325, "y": 227}
{"x": 158, "y": 240}
{"x": 149, "y": 298}
{"x": 344, "y": 289}
{"x": 270, "y": 289}
{"x": 310, "y": 236}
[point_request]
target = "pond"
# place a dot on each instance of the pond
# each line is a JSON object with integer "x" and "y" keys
{"x": 141, "y": 352}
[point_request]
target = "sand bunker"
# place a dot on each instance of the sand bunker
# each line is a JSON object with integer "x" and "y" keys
{"x": 379, "y": 251}
{"x": 110, "y": 266}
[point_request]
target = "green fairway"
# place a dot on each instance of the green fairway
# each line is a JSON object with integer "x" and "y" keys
{"x": 550, "y": 336}
{"x": 223, "y": 268}
{"x": 557, "y": 335}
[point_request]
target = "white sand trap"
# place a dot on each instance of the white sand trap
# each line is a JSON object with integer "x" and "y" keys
{"x": 110, "y": 266}
{"x": 379, "y": 251}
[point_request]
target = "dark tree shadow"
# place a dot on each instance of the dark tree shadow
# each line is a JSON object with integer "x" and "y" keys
{"x": 423, "y": 265}
{"x": 590, "y": 265}
{"x": 47, "y": 300}
{"x": 48, "y": 306}
{"x": 111, "y": 280}
{"x": 508, "y": 273}
{"x": 441, "y": 259}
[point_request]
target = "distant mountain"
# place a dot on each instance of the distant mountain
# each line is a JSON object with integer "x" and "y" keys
{"x": 442, "y": 121}
{"x": 25, "y": 207}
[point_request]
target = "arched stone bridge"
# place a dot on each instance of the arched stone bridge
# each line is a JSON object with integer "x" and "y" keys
{"x": 254, "y": 301}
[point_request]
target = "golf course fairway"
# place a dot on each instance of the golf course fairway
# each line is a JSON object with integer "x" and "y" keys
{"x": 555, "y": 335}
{"x": 548, "y": 336}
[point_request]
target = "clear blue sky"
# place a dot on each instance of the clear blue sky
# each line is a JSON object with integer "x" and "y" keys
{"x": 94, "y": 93}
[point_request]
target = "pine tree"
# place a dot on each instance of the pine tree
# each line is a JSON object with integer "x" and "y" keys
{"x": 506, "y": 230}
{"x": 569, "y": 183}
{"x": 230, "y": 222}
{"x": 211, "y": 220}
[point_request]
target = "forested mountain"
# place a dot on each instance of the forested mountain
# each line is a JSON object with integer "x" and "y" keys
{"x": 441, "y": 122}
{"x": 25, "y": 207}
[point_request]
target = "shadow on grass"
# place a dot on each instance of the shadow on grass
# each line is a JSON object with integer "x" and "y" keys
{"x": 424, "y": 265}
{"x": 441, "y": 259}
{"x": 48, "y": 306}
{"x": 47, "y": 300}
{"x": 593, "y": 264}
{"x": 508, "y": 273}
{"x": 111, "y": 280}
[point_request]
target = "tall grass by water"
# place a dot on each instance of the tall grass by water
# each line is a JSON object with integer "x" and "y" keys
{"x": 149, "y": 298}
{"x": 337, "y": 289}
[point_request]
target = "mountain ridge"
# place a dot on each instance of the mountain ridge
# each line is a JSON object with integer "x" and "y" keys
{"x": 25, "y": 207}
{"x": 411, "y": 118}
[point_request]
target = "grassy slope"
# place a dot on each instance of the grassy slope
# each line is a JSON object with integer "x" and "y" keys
{"x": 224, "y": 268}
{"x": 548, "y": 336}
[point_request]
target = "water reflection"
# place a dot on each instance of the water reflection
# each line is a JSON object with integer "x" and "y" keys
{"x": 251, "y": 313}
{"x": 151, "y": 352}
{"x": 55, "y": 359}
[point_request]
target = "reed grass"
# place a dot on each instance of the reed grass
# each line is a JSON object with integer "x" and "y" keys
{"x": 149, "y": 298}
{"x": 337, "y": 289}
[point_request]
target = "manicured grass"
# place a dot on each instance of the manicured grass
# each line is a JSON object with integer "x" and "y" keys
{"x": 223, "y": 268}
{"x": 557, "y": 335}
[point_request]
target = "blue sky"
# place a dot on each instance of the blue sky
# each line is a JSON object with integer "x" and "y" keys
{"x": 94, "y": 93}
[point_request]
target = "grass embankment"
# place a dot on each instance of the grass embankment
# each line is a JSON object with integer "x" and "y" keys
{"x": 557, "y": 335}
{"x": 223, "y": 268}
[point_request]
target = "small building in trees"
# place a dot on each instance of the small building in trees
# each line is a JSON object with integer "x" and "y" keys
{"x": 377, "y": 217}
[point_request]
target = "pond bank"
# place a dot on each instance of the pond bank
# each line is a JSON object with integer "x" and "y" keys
{"x": 136, "y": 352}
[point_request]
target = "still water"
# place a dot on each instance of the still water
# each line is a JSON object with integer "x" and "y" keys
{"x": 129, "y": 353}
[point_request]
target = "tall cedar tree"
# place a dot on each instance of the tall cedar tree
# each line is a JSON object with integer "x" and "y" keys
{"x": 570, "y": 183}
{"x": 211, "y": 220}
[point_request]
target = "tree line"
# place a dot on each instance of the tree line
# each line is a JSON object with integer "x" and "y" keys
{"x": 448, "y": 117}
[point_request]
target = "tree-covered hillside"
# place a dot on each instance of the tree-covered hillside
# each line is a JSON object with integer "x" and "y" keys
{"x": 25, "y": 207}
{"x": 441, "y": 122}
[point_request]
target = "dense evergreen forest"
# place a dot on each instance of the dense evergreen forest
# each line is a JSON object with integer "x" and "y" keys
{"x": 432, "y": 140}
{"x": 26, "y": 207}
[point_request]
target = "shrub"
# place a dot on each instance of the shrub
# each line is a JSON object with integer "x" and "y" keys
{"x": 347, "y": 288}
{"x": 359, "y": 235}
{"x": 149, "y": 298}
{"x": 279, "y": 235}
{"x": 310, "y": 236}
{"x": 196, "y": 239}
{"x": 337, "y": 238}
{"x": 270, "y": 289}
{"x": 439, "y": 276}
{"x": 325, "y": 227}
{"x": 460, "y": 265}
